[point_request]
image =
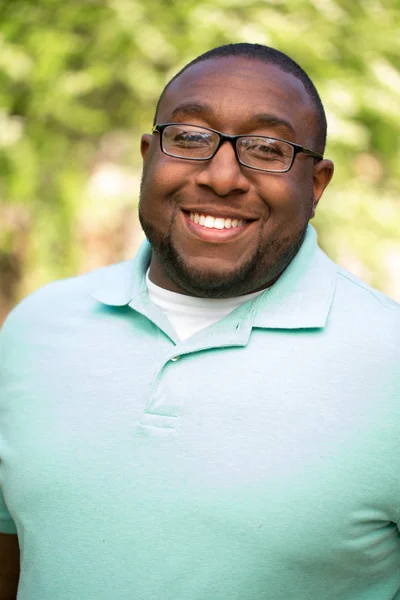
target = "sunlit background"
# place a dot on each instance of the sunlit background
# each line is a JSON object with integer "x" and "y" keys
{"x": 79, "y": 81}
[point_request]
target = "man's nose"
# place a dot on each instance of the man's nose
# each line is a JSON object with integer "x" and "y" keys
{"x": 222, "y": 173}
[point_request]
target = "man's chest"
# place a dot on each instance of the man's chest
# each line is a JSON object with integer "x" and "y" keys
{"x": 292, "y": 457}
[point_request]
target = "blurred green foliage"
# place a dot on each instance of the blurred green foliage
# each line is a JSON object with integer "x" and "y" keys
{"x": 79, "y": 81}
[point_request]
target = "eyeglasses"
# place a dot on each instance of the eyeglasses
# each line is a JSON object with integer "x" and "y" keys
{"x": 260, "y": 152}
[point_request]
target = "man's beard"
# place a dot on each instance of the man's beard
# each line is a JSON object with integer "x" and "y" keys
{"x": 261, "y": 270}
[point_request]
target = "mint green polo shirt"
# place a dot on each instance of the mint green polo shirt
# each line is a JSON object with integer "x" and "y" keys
{"x": 258, "y": 459}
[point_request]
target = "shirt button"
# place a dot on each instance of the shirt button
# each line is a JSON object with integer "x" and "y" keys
{"x": 175, "y": 358}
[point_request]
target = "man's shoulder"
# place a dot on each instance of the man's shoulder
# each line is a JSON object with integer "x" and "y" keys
{"x": 353, "y": 289}
{"x": 63, "y": 296}
{"x": 364, "y": 314}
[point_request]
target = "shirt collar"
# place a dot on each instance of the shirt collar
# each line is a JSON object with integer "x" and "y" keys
{"x": 300, "y": 298}
{"x": 128, "y": 283}
{"x": 303, "y": 294}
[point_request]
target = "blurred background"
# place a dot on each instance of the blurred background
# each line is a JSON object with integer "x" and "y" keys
{"x": 79, "y": 81}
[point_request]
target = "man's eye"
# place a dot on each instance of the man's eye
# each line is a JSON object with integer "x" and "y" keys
{"x": 264, "y": 150}
{"x": 191, "y": 139}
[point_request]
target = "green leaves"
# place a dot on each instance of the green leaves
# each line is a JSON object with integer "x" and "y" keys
{"x": 79, "y": 82}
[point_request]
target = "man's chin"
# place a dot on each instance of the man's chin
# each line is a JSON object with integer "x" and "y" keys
{"x": 208, "y": 285}
{"x": 207, "y": 282}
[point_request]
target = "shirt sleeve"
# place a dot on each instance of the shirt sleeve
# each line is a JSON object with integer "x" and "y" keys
{"x": 7, "y": 525}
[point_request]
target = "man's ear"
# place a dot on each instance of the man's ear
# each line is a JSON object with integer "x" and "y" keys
{"x": 145, "y": 144}
{"x": 323, "y": 172}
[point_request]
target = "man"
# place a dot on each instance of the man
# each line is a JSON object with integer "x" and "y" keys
{"x": 218, "y": 420}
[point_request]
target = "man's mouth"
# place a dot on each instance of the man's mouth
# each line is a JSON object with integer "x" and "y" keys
{"x": 210, "y": 222}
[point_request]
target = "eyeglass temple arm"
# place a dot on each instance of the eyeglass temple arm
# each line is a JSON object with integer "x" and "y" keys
{"x": 312, "y": 153}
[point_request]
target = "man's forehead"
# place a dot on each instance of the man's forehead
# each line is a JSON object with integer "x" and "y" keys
{"x": 249, "y": 84}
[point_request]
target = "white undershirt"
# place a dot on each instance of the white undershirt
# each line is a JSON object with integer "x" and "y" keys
{"x": 188, "y": 314}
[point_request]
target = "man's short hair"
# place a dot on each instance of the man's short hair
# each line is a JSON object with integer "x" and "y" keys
{"x": 270, "y": 56}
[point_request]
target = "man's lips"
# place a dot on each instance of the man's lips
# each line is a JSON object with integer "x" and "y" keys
{"x": 219, "y": 222}
{"x": 220, "y": 213}
{"x": 214, "y": 228}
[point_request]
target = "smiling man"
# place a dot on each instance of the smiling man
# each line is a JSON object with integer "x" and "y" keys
{"x": 230, "y": 214}
{"x": 219, "y": 418}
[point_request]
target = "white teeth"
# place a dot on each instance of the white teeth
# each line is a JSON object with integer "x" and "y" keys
{"x": 215, "y": 222}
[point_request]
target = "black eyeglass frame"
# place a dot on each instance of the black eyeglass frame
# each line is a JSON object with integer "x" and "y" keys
{"x": 232, "y": 139}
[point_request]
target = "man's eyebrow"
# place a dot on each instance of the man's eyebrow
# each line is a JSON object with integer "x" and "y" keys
{"x": 190, "y": 108}
{"x": 263, "y": 119}
{"x": 269, "y": 120}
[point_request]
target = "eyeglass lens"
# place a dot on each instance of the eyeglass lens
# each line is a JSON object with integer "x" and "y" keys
{"x": 192, "y": 142}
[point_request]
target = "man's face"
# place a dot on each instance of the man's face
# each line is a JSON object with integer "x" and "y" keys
{"x": 235, "y": 96}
